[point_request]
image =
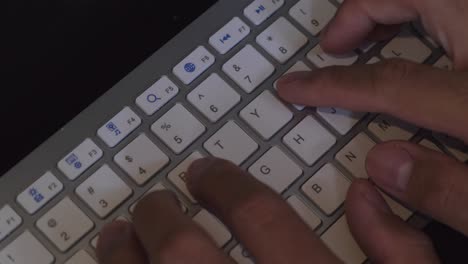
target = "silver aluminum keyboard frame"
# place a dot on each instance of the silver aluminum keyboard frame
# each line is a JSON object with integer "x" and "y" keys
{"x": 85, "y": 125}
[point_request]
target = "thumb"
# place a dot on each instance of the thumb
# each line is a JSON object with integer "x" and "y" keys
{"x": 400, "y": 88}
{"x": 426, "y": 180}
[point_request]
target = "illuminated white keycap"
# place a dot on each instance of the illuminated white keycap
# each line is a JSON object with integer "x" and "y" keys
{"x": 40, "y": 193}
{"x": 230, "y": 35}
{"x": 194, "y": 65}
{"x": 119, "y": 127}
{"x": 15, "y": 252}
{"x": 159, "y": 94}
{"x": 65, "y": 224}
{"x": 80, "y": 159}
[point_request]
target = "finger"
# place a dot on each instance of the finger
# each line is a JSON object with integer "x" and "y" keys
{"x": 356, "y": 19}
{"x": 383, "y": 236}
{"x": 261, "y": 220}
{"x": 427, "y": 97}
{"x": 383, "y": 32}
{"x": 169, "y": 236}
{"x": 426, "y": 180}
{"x": 118, "y": 244}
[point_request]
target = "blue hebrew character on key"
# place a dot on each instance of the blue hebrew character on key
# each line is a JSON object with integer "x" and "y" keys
{"x": 190, "y": 67}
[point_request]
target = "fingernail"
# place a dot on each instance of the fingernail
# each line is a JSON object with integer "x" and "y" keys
{"x": 291, "y": 78}
{"x": 198, "y": 168}
{"x": 114, "y": 236}
{"x": 390, "y": 167}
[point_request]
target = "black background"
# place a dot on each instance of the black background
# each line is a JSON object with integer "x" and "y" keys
{"x": 57, "y": 57}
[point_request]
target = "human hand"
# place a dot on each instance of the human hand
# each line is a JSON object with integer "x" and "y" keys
{"x": 256, "y": 215}
{"x": 266, "y": 226}
{"x": 427, "y": 181}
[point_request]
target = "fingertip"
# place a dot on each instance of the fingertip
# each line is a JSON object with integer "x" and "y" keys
{"x": 117, "y": 238}
{"x": 382, "y": 235}
{"x": 291, "y": 85}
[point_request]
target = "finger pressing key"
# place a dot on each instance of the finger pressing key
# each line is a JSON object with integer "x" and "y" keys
{"x": 262, "y": 221}
{"x": 118, "y": 244}
{"x": 169, "y": 236}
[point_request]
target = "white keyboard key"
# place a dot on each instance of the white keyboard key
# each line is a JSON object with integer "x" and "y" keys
{"x": 397, "y": 208}
{"x": 231, "y": 143}
{"x": 80, "y": 159}
{"x": 276, "y": 170}
{"x": 213, "y": 227}
{"x": 282, "y": 40}
{"x": 248, "y": 68}
{"x": 230, "y": 35}
{"x": 178, "y": 175}
{"x": 9, "y": 221}
{"x": 304, "y": 212}
{"x": 407, "y": 46}
{"x": 313, "y": 15}
{"x": 309, "y": 140}
{"x": 388, "y": 128}
{"x": 430, "y": 145}
{"x": 178, "y": 128}
{"x": 266, "y": 114}
{"x": 82, "y": 257}
{"x": 339, "y": 239}
{"x": 321, "y": 59}
{"x": 340, "y": 119}
{"x": 261, "y": 10}
{"x": 298, "y": 67}
{"x": 65, "y": 224}
{"x": 159, "y": 94}
{"x": 241, "y": 256}
{"x": 94, "y": 241}
{"x": 373, "y": 60}
{"x": 444, "y": 63}
{"x": 194, "y": 65}
{"x": 353, "y": 155}
{"x": 214, "y": 97}
{"x": 26, "y": 249}
{"x": 39, "y": 193}
{"x": 103, "y": 191}
{"x": 327, "y": 188}
{"x": 119, "y": 127}
{"x": 141, "y": 159}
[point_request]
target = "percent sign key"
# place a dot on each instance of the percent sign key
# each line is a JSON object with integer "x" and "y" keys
{"x": 166, "y": 126}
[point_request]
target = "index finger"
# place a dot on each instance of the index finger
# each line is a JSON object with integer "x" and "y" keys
{"x": 261, "y": 220}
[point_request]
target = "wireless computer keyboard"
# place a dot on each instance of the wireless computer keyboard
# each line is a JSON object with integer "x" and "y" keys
{"x": 209, "y": 91}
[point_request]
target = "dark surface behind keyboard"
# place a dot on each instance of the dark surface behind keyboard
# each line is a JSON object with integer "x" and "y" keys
{"x": 57, "y": 57}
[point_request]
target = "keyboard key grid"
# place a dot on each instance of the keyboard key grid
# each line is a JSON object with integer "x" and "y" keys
{"x": 245, "y": 62}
